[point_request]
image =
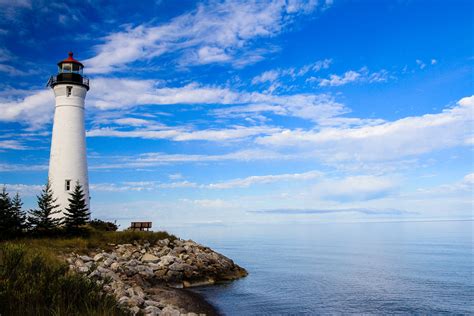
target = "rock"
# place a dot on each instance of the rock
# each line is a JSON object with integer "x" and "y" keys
{"x": 123, "y": 300}
{"x": 160, "y": 273}
{"x": 163, "y": 242}
{"x": 107, "y": 262}
{"x": 145, "y": 271}
{"x": 167, "y": 260}
{"x": 135, "y": 310}
{"x": 154, "y": 266}
{"x": 152, "y": 311}
{"x": 148, "y": 257}
{"x": 136, "y": 300}
{"x": 176, "y": 266}
{"x": 179, "y": 250}
{"x": 114, "y": 266}
{"x": 85, "y": 258}
{"x": 83, "y": 269}
{"x": 98, "y": 257}
{"x": 152, "y": 303}
{"x": 169, "y": 311}
{"x": 138, "y": 291}
{"x": 147, "y": 278}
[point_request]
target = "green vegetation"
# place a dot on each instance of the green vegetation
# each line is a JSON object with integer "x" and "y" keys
{"x": 12, "y": 218}
{"x": 38, "y": 283}
{"x": 77, "y": 214}
{"x": 102, "y": 225}
{"x": 41, "y": 219}
{"x": 34, "y": 277}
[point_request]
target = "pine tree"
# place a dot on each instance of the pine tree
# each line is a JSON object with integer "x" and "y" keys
{"x": 77, "y": 214}
{"x": 5, "y": 214}
{"x": 41, "y": 218}
{"x": 18, "y": 215}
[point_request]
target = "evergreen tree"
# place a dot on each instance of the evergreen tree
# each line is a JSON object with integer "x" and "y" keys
{"x": 5, "y": 214}
{"x": 77, "y": 214}
{"x": 18, "y": 215}
{"x": 41, "y": 218}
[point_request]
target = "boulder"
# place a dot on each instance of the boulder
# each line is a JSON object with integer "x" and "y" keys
{"x": 98, "y": 257}
{"x": 152, "y": 311}
{"x": 85, "y": 258}
{"x": 170, "y": 311}
{"x": 148, "y": 257}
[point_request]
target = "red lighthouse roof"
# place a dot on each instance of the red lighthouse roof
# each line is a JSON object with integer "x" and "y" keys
{"x": 70, "y": 59}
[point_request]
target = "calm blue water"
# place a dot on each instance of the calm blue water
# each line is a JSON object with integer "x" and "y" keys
{"x": 372, "y": 268}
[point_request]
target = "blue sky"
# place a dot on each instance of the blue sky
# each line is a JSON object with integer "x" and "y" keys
{"x": 250, "y": 112}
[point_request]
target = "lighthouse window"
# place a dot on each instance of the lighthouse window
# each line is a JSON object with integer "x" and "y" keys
{"x": 68, "y": 185}
{"x": 67, "y": 67}
{"x": 68, "y": 90}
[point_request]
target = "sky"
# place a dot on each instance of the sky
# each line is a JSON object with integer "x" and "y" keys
{"x": 249, "y": 112}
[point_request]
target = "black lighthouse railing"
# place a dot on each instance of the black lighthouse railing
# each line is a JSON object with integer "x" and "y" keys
{"x": 68, "y": 77}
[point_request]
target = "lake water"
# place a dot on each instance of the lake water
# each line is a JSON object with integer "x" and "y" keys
{"x": 371, "y": 268}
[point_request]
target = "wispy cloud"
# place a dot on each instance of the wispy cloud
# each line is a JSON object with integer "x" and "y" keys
{"x": 373, "y": 212}
{"x": 228, "y": 134}
{"x": 409, "y": 136}
{"x": 266, "y": 179}
{"x": 351, "y": 76}
{"x": 355, "y": 188}
{"x": 275, "y": 74}
{"x": 12, "y": 145}
{"x": 34, "y": 109}
{"x": 212, "y": 33}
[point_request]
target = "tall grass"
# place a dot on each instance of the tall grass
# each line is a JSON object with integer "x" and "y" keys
{"x": 35, "y": 281}
{"x": 91, "y": 240}
{"x": 38, "y": 283}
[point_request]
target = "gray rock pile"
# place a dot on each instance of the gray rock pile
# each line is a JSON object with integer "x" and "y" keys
{"x": 149, "y": 278}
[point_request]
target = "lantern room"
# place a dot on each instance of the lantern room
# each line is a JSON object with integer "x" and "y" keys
{"x": 70, "y": 71}
{"x": 70, "y": 65}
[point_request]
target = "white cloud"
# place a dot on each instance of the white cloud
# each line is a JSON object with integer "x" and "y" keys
{"x": 239, "y": 132}
{"x": 209, "y": 203}
{"x": 270, "y": 76}
{"x": 390, "y": 140}
{"x": 275, "y": 74}
{"x": 420, "y": 64}
{"x": 35, "y": 109}
{"x": 214, "y": 32}
{"x": 113, "y": 93}
{"x": 335, "y": 80}
{"x": 266, "y": 179}
{"x": 4, "y": 167}
{"x": 208, "y": 55}
{"x": 355, "y": 188}
{"x": 153, "y": 159}
{"x": 362, "y": 75}
{"x": 23, "y": 189}
{"x": 11, "y": 144}
{"x": 307, "y": 106}
{"x": 131, "y": 121}
{"x": 175, "y": 176}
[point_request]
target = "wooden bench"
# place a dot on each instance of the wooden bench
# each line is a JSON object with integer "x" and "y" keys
{"x": 141, "y": 226}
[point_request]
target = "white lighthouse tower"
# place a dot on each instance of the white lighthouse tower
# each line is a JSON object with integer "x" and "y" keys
{"x": 68, "y": 161}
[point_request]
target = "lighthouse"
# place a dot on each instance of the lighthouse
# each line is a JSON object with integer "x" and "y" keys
{"x": 68, "y": 161}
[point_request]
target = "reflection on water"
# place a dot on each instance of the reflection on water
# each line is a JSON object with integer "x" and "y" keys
{"x": 402, "y": 267}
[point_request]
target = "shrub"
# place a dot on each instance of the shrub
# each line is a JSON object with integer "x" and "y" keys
{"x": 103, "y": 225}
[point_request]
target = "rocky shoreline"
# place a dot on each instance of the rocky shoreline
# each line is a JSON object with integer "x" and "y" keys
{"x": 151, "y": 278}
